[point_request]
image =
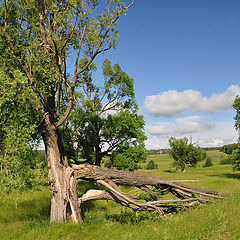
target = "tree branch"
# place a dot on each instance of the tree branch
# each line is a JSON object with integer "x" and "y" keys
{"x": 76, "y": 72}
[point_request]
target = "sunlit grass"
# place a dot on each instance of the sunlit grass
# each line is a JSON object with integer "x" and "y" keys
{"x": 26, "y": 215}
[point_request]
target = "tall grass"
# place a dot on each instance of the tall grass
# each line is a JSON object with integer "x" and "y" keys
{"x": 25, "y": 215}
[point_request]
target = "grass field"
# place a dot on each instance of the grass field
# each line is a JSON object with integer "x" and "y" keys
{"x": 26, "y": 215}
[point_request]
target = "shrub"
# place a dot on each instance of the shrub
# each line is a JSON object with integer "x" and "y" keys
{"x": 225, "y": 161}
{"x": 235, "y": 159}
{"x": 208, "y": 162}
{"x": 151, "y": 165}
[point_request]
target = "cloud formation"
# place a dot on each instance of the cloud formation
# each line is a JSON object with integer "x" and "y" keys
{"x": 209, "y": 134}
{"x": 187, "y": 127}
{"x": 173, "y": 102}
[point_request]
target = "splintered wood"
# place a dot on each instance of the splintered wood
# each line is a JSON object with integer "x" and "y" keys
{"x": 155, "y": 188}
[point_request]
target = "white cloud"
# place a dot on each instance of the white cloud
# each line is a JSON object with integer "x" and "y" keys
{"x": 158, "y": 130}
{"x": 187, "y": 127}
{"x": 188, "y": 118}
{"x": 179, "y": 129}
{"x": 208, "y": 134}
{"x": 215, "y": 142}
{"x": 172, "y": 102}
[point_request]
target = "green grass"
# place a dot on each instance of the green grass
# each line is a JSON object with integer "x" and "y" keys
{"x": 26, "y": 215}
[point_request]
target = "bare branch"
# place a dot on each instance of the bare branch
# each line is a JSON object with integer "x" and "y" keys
{"x": 76, "y": 72}
{"x": 78, "y": 53}
{"x": 103, "y": 38}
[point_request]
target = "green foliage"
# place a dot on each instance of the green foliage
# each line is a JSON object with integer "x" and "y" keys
{"x": 208, "y": 162}
{"x": 228, "y": 149}
{"x": 38, "y": 39}
{"x": 185, "y": 153}
{"x": 234, "y": 158}
{"x": 25, "y": 215}
{"x": 18, "y": 169}
{"x": 106, "y": 121}
{"x": 18, "y": 157}
{"x": 153, "y": 151}
{"x": 151, "y": 165}
{"x": 157, "y": 151}
{"x": 211, "y": 148}
{"x": 127, "y": 157}
{"x": 236, "y": 106}
{"x": 226, "y": 160}
{"x": 235, "y": 155}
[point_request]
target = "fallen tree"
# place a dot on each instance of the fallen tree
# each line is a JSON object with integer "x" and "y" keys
{"x": 184, "y": 196}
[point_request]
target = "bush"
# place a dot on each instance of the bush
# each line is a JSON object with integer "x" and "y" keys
{"x": 228, "y": 149}
{"x": 235, "y": 159}
{"x": 225, "y": 161}
{"x": 151, "y": 165}
{"x": 208, "y": 162}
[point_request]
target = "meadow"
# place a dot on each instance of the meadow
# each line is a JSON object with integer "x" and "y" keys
{"x": 25, "y": 215}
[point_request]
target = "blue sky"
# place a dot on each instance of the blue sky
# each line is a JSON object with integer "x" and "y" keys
{"x": 184, "y": 57}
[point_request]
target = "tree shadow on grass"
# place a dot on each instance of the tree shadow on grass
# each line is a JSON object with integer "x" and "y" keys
{"x": 232, "y": 175}
{"x": 90, "y": 206}
{"x": 227, "y": 175}
{"x": 128, "y": 216}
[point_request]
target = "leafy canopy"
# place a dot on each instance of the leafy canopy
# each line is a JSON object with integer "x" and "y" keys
{"x": 45, "y": 48}
{"x": 185, "y": 153}
{"x": 235, "y": 155}
{"x": 105, "y": 121}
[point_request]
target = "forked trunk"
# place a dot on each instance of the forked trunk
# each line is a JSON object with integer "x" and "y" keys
{"x": 63, "y": 187}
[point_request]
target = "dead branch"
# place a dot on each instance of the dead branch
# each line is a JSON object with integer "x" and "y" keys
{"x": 187, "y": 196}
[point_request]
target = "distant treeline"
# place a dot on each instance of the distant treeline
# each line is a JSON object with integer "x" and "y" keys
{"x": 157, "y": 151}
{"x": 164, "y": 151}
{"x": 228, "y": 149}
{"x": 211, "y": 148}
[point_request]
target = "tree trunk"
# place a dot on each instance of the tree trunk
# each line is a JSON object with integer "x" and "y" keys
{"x": 156, "y": 187}
{"x": 98, "y": 156}
{"x": 63, "y": 187}
{"x": 95, "y": 173}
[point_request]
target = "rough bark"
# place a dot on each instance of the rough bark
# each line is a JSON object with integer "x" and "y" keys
{"x": 98, "y": 157}
{"x": 63, "y": 185}
{"x": 95, "y": 173}
{"x": 156, "y": 187}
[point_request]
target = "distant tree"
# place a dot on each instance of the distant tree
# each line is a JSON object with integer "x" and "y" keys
{"x": 234, "y": 158}
{"x": 235, "y": 155}
{"x": 185, "y": 153}
{"x": 228, "y": 149}
{"x": 236, "y": 106}
{"x": 153, "y": 151}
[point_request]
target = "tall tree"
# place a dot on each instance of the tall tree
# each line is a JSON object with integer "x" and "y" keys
{"x": 185, "y": 153}
{"x": 106, "y": 120}
{"x": 38, "y": 41}
{"x": 236, "y": 106}
{"x": 235, "y": 154}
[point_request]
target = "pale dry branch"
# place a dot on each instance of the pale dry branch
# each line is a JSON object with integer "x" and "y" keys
{"x": 112, "y": 179}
